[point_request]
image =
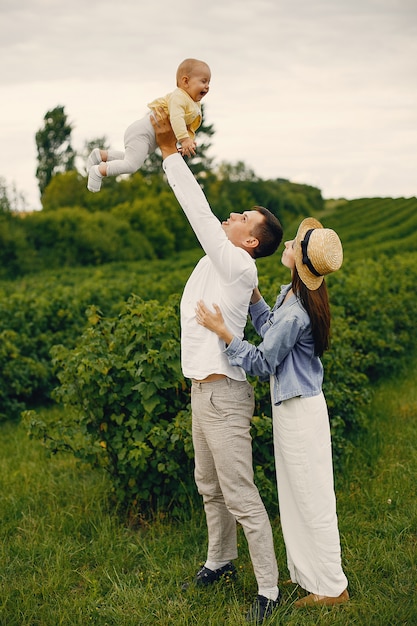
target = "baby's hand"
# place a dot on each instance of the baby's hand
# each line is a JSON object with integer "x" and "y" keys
{"x": 188, "y": 147}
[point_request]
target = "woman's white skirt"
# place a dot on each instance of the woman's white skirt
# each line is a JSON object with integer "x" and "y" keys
{"x": 307, "y": 501}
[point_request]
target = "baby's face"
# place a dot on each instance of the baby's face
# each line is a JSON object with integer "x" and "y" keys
{"x": 198, "y": 83}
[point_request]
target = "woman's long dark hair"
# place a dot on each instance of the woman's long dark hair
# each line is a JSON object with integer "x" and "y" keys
{"x": 316, "y": 303}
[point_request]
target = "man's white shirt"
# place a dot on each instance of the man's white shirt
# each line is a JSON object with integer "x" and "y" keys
{"x": 226, "y": 276}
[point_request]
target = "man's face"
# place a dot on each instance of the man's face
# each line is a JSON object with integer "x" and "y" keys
{"x": 240, "y": 226}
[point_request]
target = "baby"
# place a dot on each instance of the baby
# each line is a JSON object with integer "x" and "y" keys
{"x": 184, "y": 109}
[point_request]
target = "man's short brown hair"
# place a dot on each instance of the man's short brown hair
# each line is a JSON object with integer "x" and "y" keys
{"x": 268, "y": 232}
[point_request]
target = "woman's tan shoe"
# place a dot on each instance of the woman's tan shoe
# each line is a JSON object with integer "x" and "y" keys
{"x": 314, "y": 600}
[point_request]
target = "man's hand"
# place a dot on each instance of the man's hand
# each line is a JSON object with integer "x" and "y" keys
{"x": 164, "y": 134}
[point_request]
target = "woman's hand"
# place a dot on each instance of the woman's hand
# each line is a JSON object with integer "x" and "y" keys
{"x": 256, "y": 296}
{"x": 213, "y": 321}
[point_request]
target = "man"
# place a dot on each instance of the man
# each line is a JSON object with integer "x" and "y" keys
{"x": 222, "y": 400}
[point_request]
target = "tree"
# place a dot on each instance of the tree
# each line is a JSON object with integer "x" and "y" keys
{"x": 11, "y": 200}
{"x": 234, "y": 172}
{"x": 53, "y": 141}
{"x": 65, "y": 190}
{"x": 201, "y": 164}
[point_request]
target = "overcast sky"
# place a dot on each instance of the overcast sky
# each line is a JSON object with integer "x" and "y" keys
{"x": 322, "y": 92}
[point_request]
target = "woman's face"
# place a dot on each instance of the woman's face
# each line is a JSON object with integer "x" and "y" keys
{"x": 287, "y": 257}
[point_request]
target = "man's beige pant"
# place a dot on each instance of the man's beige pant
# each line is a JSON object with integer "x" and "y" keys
{"x": 222, "y": 413}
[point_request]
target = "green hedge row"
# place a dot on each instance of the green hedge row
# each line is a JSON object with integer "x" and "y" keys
{"x": 127, "y": 403}
{"x": 46, "y": 309}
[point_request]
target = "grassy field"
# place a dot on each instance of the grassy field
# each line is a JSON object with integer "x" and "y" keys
{"x": 67, "y": 560}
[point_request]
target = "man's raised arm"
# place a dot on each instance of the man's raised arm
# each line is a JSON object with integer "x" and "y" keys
{"x": 164, "y": 134}
{"x": 190, "y": 195}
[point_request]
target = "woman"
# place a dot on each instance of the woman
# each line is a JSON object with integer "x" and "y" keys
{"x": 295, "y": 333}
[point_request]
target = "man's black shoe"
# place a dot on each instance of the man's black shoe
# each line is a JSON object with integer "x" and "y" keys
{"x": 206, "y": 576}
{"x": 261, "y": 609}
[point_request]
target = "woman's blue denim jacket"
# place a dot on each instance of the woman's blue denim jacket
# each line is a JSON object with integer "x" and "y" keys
{"x": 287, "y": 349}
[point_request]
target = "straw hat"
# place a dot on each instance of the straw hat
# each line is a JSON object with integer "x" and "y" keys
{"x": 317, "y": 252}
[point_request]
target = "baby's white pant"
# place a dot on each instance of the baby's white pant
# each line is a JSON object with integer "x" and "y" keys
{"x": 139, "y": 141}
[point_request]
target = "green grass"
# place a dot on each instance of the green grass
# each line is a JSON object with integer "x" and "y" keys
{"x": 67, "y": 560}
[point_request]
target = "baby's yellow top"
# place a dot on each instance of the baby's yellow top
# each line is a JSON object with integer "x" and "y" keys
{"x": 184, "y": 113}
{"x": 183, "y": 105}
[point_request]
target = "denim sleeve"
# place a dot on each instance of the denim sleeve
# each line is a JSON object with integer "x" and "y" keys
{"x": 281, "y": 339}
{"x": 264, "y": 359}
{"x": 251, "y": 358}
{"x": 260, "y": 314}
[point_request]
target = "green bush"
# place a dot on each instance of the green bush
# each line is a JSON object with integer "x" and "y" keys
{"x": 74, "y": 236}
{"x": 31, "y": 321}
{"x": 127, "y": 405}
